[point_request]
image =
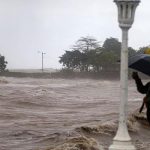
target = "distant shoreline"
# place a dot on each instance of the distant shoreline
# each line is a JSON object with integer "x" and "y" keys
{"x": 108, "y": 75}
{"x": 70, "y": 75}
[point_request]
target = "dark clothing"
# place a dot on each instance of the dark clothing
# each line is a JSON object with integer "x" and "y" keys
{"x": 144, "y": 89}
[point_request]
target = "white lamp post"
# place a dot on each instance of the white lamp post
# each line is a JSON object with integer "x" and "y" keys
{"x": 126, "y": 12}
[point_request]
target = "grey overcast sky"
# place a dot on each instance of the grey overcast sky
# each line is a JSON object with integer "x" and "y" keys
{"x": 52, "y": 26}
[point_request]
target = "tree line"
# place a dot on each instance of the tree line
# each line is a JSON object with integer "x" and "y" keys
{"x": 87, "y": 55}
{"x": 3, "y": 63}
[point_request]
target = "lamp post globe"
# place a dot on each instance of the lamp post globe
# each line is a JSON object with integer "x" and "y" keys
{"x": 126, "y": 13}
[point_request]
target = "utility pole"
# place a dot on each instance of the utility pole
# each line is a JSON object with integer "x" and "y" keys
{"x": 42, "y": 60}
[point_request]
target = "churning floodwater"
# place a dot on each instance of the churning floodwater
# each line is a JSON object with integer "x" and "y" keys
{"x": 36, "y": 114}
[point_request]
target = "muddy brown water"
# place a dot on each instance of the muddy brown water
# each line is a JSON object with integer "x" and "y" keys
{"x": 40, "y": 113}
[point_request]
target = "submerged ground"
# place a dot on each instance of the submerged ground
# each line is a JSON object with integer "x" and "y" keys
{"x": 39, "y": 114}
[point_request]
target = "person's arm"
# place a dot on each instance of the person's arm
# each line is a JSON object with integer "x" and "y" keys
{"x": 148, "y": 89}
{"x": 140, "y": 87}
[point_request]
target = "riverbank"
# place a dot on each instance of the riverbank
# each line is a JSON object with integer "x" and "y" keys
{"x": 104, "y": 75}
{"x": 64, "y": 74}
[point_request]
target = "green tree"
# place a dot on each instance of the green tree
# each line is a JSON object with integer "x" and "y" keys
{"x": 80, "y": 55}
{"x": 113, "y": 50}
{"x": 72, "y": 59}
{"x": 85, "y": 44}
{"x": 94, "y": 59}
{"x": 66, "y": 59}
{"x": 142, "y": 49}
{"x": 3, "y": 63}
{"x": 113, "y": 45}
{"x": 87, "y": 55}
{"x": 111, "y": 54}
{"x": 131, "y": 51}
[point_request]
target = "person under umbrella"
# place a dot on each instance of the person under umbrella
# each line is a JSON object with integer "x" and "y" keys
{"x": 144, "y": 89}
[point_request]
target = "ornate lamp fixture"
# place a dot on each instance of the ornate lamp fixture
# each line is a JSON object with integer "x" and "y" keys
{"x": 126, "y": 13}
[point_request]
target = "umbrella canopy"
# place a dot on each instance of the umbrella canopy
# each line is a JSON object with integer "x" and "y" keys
{"x": 140, "y": 63}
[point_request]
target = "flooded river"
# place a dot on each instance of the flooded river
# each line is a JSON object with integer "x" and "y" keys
{"x": 36, "y": 114}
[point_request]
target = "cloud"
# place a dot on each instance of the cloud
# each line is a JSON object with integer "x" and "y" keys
{"x": 54, "y": 25}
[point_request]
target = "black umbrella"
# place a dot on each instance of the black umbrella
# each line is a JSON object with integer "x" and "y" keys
{"x": 140, "y": 62}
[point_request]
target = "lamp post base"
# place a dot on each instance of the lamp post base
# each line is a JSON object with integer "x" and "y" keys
{"x": 122, "y": 145}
